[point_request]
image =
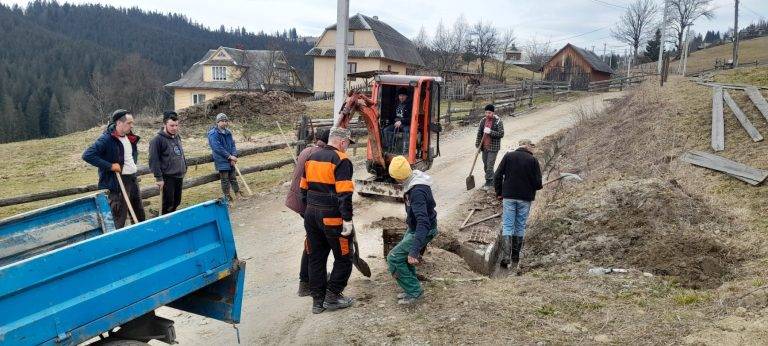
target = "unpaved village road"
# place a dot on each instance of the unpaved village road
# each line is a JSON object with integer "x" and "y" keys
{"x": 270, "y": 237}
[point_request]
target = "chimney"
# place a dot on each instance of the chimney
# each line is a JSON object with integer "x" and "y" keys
{"x": 376, "y": 17}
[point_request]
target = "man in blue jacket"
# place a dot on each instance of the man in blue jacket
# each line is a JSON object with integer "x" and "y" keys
{"x": 422, "y": 228}
{"x": 224, "y": 154}
{"x": 115, "y": 152}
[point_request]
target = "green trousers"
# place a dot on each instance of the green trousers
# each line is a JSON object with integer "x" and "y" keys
{"x": 404, "y": 273}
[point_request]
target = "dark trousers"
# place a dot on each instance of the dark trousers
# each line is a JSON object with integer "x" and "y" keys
{"x": 229, "y": 178}
{"x": 171, "y": 193}
{"x": 489, "y": 160}
{"x": 117, "y": 202}
{"x": 304, "y": 269}
{"x": 323, "y": 226}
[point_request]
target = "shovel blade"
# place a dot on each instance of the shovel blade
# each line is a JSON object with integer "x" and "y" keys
{"x": 362, "y": 266}
{"x": 470, "y": 182}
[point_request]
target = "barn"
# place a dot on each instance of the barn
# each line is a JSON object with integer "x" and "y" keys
{"x": 577, "y": 66}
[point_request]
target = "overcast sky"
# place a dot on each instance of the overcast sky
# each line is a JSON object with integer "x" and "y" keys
{"x": 558, "y": 20}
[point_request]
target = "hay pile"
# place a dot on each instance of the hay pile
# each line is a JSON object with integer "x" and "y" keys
{"x": 255, "y": 109}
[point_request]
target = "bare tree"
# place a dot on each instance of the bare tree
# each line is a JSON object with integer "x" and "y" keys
{"x": 266, "y": 69}
{"x": 459, "y": 39}
{"x": 484, "y": 42}
{"x": 635, "y": 25}
{"x": 684, "y": 13}
{"x": 538, "y": 52}
{"x": 506, "y": 42}
{"x": 441, "y": 48}
{"x": 422, "y": 39}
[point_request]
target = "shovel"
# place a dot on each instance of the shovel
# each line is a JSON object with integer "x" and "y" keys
{"x": 471, "y": 178}
{"x": 359, "y": 263}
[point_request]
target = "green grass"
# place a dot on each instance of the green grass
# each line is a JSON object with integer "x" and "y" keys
{"x": 690, "y": 298}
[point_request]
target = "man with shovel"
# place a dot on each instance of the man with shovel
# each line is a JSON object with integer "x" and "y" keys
{"x": 422, "y": 228}
{"x": 115, "y": 154}
{"x": 516, "y": 181}
{"x": 489, "y": 134}
{"x": 222, "y": 145}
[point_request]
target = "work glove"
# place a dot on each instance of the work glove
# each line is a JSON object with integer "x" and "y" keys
{"x": 487, "y": 130}
{"x": 115, "y": 168}
{"x": 347, "y": 228}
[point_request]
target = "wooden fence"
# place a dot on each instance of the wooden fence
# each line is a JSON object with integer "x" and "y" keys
{"x": 620, "y": 83}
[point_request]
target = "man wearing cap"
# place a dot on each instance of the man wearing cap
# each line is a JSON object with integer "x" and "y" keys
{"x": 326, "y": 188}
{"x": 400, "y": 120}
{"x": 293, "y": 201}
{"x": 222, "y": 145}
{"x": 115, "y": 152}
{"x": 489, "y": 135}
{"x": 516, "y": 182}
{"x": 167, "y": 162}
{"x": 422, "y": 228}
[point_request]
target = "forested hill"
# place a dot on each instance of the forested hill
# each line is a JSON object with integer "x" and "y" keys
{"x": 63, "y": 67}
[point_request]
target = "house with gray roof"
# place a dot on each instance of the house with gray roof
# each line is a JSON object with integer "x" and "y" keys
{"x": 227, "y": 69}
{"x": 372, "y": 46}
{"x": 577, "y": 66}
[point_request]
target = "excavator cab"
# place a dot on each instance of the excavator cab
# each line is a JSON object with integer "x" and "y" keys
{"x": 419, "y": 142}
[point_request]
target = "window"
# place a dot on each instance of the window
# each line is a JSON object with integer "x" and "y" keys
{"x": 389, "y": 68}
{"x": 198, "y": 98}
{"x": 219, "y": 73}
{"x": 351, "y": 38}
{"x": 351, "y": 67}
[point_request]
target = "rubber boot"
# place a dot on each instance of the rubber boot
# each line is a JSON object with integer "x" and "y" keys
{"x": 317, "y": 306}
{"x": 517, "y": 245}
{"x": 304, "y": 289}
{"x": 336, "y": 301}
{"x": 506, "y": 250}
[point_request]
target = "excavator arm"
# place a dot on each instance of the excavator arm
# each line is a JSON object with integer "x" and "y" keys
{"x": 359, "y": 103}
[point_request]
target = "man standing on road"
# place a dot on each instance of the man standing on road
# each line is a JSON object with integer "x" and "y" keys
{"x": 167, "y": 162}
{"x": 517, "y": 180}
{"x": 422, "y": 228}
{"x": 222, "y": 145}
{"x": 293, "y": 202}
{"x": 327, "y": 192}
{"x": 115, "y": 152}
{"x": 489, "y": 135}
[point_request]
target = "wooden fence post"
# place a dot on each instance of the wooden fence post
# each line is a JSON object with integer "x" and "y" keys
{"x": 530, "y": 100}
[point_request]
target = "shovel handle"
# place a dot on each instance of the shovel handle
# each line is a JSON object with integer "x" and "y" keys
{"x": 237, "y": 169}
{"x": 479, "y": 149}
{"x": 126, "y": 198}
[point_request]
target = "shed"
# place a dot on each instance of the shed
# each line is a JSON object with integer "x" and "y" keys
{"x": 577, "y": 66}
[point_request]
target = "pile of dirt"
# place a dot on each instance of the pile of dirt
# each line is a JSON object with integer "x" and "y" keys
{"x": 258, "y": 110}
{"x": 648, "y": 224}
{"x": 390, "y": 223}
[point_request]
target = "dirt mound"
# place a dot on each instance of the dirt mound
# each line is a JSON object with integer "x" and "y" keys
{"x": 647, "y": 224}
{"x": 258, "y": 110}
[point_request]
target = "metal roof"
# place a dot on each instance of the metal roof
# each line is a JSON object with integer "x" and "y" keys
{"x": 592, "y": 59}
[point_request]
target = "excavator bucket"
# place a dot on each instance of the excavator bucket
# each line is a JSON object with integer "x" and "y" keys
{"x": 370, "y": 187}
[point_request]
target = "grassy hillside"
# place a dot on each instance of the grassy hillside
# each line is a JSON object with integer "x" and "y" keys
{"x": 749, "y": 51}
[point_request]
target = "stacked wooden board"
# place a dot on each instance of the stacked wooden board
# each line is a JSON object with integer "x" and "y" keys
{"x": 750, "y": 175}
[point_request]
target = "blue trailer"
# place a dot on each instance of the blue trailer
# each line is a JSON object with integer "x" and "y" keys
{"x": 67, "y": 276}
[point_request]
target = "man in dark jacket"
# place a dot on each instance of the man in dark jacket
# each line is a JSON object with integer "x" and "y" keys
{"x": 489, "y": 134}
{"x": 167, "y": 162}
{"x": 422, "y": 228}
{"x": 516, "y": 182}
{"x": 115, "y": 152}
{"x": 399, "y": 122}
{"x": 222, "y": 145}
{"x": 293, "y": 202}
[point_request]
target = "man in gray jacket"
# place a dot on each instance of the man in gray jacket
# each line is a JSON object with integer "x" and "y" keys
{"x": 167, "y": 162}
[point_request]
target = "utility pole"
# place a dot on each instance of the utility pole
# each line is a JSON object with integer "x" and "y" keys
{"x": 663, "y": 35}
{"x": 629, "y": 60}
{"x": 686, "y": 50}
{"x": 340, "y": 75}
{"x": 736, "y": 34}
{"x": 604, "y": 44}
{"x": 610, "y": 59}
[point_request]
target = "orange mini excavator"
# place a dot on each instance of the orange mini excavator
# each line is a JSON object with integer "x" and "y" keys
{"x": 419, "y": 143}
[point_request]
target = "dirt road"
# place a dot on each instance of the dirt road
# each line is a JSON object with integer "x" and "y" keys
{"x": 269, "y": 236}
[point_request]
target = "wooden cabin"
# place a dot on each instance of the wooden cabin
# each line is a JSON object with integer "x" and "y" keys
{"x": 577, "y": 66}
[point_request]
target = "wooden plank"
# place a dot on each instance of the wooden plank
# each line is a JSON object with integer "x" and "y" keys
{"x": 740, "y": 171}
{"x": 718, "y": 124}
{"x": 758, "y": 100}
{"x": 751, "y": 130}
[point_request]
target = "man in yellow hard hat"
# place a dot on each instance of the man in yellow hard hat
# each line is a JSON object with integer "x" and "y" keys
{"x": 422, "y": 228}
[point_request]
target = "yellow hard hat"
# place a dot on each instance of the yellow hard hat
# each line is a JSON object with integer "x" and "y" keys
{"x": 399, "y": 168}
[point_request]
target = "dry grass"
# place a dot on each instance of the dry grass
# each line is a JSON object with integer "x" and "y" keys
{"x": 749, "y": 51}
{"x": 748, "y": 75}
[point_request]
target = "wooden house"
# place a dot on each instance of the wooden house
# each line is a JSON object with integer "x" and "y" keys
{"x": 577, "y": 66}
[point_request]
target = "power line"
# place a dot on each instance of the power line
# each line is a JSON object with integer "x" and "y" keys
{"x": 579, "y": 35}
{"x": 609, "y": 4}
{"x": 760, "y": 16}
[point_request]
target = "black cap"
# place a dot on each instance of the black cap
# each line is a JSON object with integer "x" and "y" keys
{"x": 402, "y": 91}
{"x": 490, "y": 108}
{"x": 119, "y": 113}
{"x": 322, "y": 135}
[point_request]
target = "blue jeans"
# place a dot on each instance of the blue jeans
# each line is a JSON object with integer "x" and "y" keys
{"x": 514, "y": 215}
